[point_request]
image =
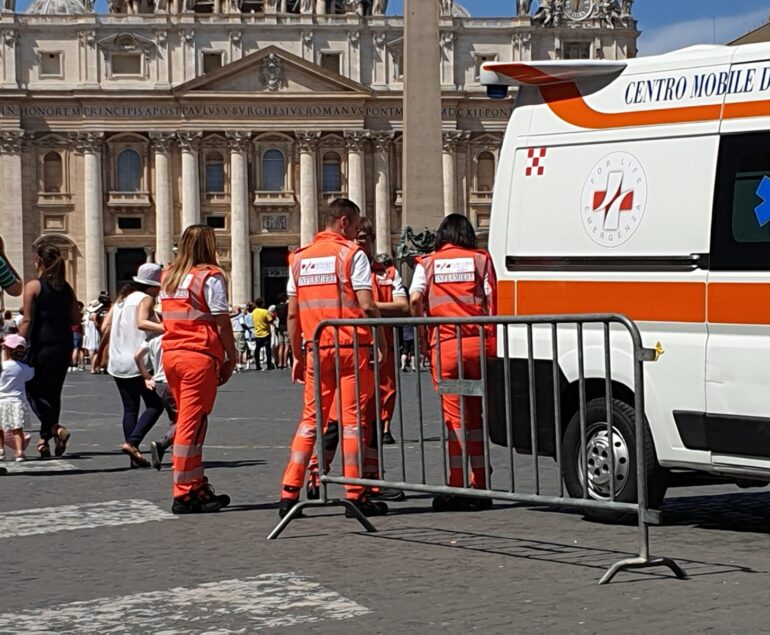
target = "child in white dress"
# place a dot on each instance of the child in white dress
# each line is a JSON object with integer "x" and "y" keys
{"x": 14, "y": 408}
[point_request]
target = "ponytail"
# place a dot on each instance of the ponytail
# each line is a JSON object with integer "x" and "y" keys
{"x": 52, "y": 263}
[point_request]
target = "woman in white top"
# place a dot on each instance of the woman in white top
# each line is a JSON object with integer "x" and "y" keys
{"x": 124, "y": 331}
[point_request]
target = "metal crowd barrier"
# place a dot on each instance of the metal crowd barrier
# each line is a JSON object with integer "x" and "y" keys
{"x": 525, "y": 421}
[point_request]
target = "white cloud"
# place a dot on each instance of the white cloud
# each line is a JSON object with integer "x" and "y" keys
{"x": 700, "y": 31}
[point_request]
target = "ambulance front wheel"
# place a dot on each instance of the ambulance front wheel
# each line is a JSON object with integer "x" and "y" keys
{"x": 598, "y": 453}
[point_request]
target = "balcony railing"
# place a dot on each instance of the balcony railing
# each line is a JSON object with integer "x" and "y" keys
{"x": 54, "y": 199}
{"x": 263, "y": 198}
{"x": 480, "y": 198}
{"x": 217, "y": 199}
{"x": 129, "y": 199}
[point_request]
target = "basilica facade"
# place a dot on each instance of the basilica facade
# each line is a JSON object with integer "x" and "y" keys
{"x": 119, "y": 130}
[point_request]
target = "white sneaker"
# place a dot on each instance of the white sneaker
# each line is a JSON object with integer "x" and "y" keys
{"x": 2, "y": 453}
{"x": 21, "y": 459}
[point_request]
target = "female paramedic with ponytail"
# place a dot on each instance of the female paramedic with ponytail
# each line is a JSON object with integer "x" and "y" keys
{"x": 458, "y": 280}
{"x": 198, "y": 355}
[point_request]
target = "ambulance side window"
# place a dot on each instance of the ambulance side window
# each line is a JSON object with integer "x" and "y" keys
{"x": 740, "y": 232}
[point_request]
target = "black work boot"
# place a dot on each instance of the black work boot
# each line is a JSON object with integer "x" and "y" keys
{"x": 313, "y": 486}
{"x": 367, "y": 508}
{"x": 286, "y": 505}
{"x": 210, "y": 500}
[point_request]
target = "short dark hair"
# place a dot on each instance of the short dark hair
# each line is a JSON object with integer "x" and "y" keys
{"x": 260, "y": 302}
{"x": 341, "y": 207}
{"x": 250, "y": 307}
{"x": 386, "y": 260}
{"x": 456, "y": 230}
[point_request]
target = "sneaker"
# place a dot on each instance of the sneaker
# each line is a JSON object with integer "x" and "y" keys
{"x": 387, "y": 494}
{"x": 187, "y": 504}
{"x": 203, "y": 501}
{"x": 387, "y": 439}
{"x": 367, "y": 508}
{"x": 157, "y": 451}
{"x": 21, "y": 458}
{"x": 286, "y": 505}
{"x": 2, "y": 453}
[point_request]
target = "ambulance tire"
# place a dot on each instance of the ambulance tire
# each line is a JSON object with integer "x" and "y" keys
{"x": 623, "y": 418}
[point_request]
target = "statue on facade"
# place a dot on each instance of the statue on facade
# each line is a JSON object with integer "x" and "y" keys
{"x": 306, "y": 6}
{"x": 524, "y": 7}
{"x": 379, "y": 7}
{"x": 354, "y": 6}
{"x": 608, "y": 12}
{"x": 447, "y": 7}
{"x": 626, "y": 14}
{"x": 413, "y": 245}
{"x": 546, "y": 13}
{"x": 9, "y": 5}
{"x": 272, "y": 71}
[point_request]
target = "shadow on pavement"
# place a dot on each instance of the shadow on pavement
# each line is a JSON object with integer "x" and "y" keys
{"x": 740, "y": 512}
{"x": 543, "y": 551}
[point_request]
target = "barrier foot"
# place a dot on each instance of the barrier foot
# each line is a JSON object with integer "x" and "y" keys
{"x": 297, "y": 510}
{"x": 643, "y": 563}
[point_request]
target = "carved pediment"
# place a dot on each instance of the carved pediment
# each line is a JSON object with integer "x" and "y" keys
{"x": 127, "y": 43}
{"x": 272, "y": 70}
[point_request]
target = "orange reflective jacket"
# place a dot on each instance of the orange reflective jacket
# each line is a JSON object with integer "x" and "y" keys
{"x": 322, "y": 274}
{"x": 188, "y": 322}
{"x": 454, "y": 286}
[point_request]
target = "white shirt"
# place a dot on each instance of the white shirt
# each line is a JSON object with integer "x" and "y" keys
{"x": 154, "y": 351}
{"x": 237, "y": 323}
{"x": 361, "y": 276}
{"x": 13, "y": 378}
{"x": 419, "y": 284}
{"x": 399, "y": 291}
{"x": 215, "y": 291}
{"x": 125, "y": 337}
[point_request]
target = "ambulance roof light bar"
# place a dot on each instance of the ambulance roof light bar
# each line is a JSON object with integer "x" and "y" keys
{"x": 498, "y": 76}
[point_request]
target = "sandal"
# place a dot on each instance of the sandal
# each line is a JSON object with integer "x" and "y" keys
{"x": 137, "y": 458}
{"x": 43, "y": 449}
{"x": 60, "y": 440}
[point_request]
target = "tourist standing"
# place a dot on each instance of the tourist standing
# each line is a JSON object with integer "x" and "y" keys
{"x": 198, "y": 355}
{"x": 50, "y": 311}
{"x": 125, "y": 329}
{"x": 262, "y": 319}
{"x": 282, "y": 335}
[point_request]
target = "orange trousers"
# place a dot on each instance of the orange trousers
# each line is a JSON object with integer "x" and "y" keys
{"x": 353, "y": 402}
{"x": 193, "y": 379}
{"x": 450, "y": 408}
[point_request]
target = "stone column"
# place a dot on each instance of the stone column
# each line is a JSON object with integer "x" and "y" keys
{"x": 90, "y": 144}
{"x": 164, "y": 200}
{"x": 239, "y": 217}
{"x": 191, "y": 189}
{"x": 149, "y": 254}
{"x": 112, "y": 252}
{"x": 256, "y": 259}
{"x": 452, "y": 140}
{"x": 356, "y": 145}
{"x": 10, "y": 71}
{"x": 383, "y": 143}
{"x": 308, "y": 185}
{"x": 12, "y": 222}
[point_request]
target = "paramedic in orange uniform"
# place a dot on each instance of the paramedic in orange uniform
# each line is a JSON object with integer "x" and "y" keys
{"x": 458, "y": 280}
{"x": 331, "y": 278}
{"x": 198, "y": 355}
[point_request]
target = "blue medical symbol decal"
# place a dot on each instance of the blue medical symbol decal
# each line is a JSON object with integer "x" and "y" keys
{"x": 762, "y": 210}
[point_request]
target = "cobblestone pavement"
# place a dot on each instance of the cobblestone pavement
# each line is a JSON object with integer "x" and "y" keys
{"x": 89, "y": 546}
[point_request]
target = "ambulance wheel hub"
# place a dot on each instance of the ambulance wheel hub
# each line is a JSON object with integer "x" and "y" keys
{"x": 600, "y": 466}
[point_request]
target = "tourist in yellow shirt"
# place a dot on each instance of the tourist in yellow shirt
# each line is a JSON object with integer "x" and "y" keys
{"x": 262, "y": 318}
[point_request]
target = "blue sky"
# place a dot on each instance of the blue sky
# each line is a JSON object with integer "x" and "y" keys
{"x": 665, "y": 24}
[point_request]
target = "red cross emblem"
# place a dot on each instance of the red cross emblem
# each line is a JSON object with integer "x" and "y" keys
{"x": 535, "y": 157}
{"x": 613, "y": 200}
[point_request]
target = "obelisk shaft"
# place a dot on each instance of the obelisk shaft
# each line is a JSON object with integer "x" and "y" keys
{"x": 422, "y": 165}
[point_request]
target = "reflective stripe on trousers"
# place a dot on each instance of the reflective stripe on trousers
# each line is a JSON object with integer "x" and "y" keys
{"x": 353, "y": 409}
{"x": 192, "y": 379}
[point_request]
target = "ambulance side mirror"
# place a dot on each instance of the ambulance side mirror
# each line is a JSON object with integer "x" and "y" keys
{"x": 497, "y": 91}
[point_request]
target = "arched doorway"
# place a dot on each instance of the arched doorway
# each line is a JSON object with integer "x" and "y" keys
{"x": 70, "y": 252}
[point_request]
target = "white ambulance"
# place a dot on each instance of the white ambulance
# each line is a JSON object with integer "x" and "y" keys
{"x": 642, "y": 187}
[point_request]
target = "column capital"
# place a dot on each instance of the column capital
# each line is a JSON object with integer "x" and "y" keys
{"x": 238, "y": 140}
{"x": 189, "y": 141}
{"x": 87, "y": 142}
{"x": 452, "y": 139}
{"x": 111, "y": 250}
{"x": 162, "y": 141}
{"x": 356, "y": 140}
{"x": 11, "y": 142}
{"x": 308, "y": 141}
{"x": 383, "y": 140}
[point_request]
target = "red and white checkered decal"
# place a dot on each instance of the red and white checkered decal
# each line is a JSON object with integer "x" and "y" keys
{"x": 535, "y": 162}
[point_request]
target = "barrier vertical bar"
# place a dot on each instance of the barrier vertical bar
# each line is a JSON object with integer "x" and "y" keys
{"x": 484, "y": 413}
{"x": 442, "y": 427}
{"x": 377, "y": 402}
{"x": 533, "y": 406}
{"x": 557, "y": 403}
{"x": 508, "y": 406}
{"x": 319, "y": 422}
{"x": 357, "y": 391}
{"x": 421, "y": 435}
{"x": 608, "y": 401}
{"x": 582, "y": 400}
{"x": 400, "y": 407}
{"x": 463, "y": 435}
